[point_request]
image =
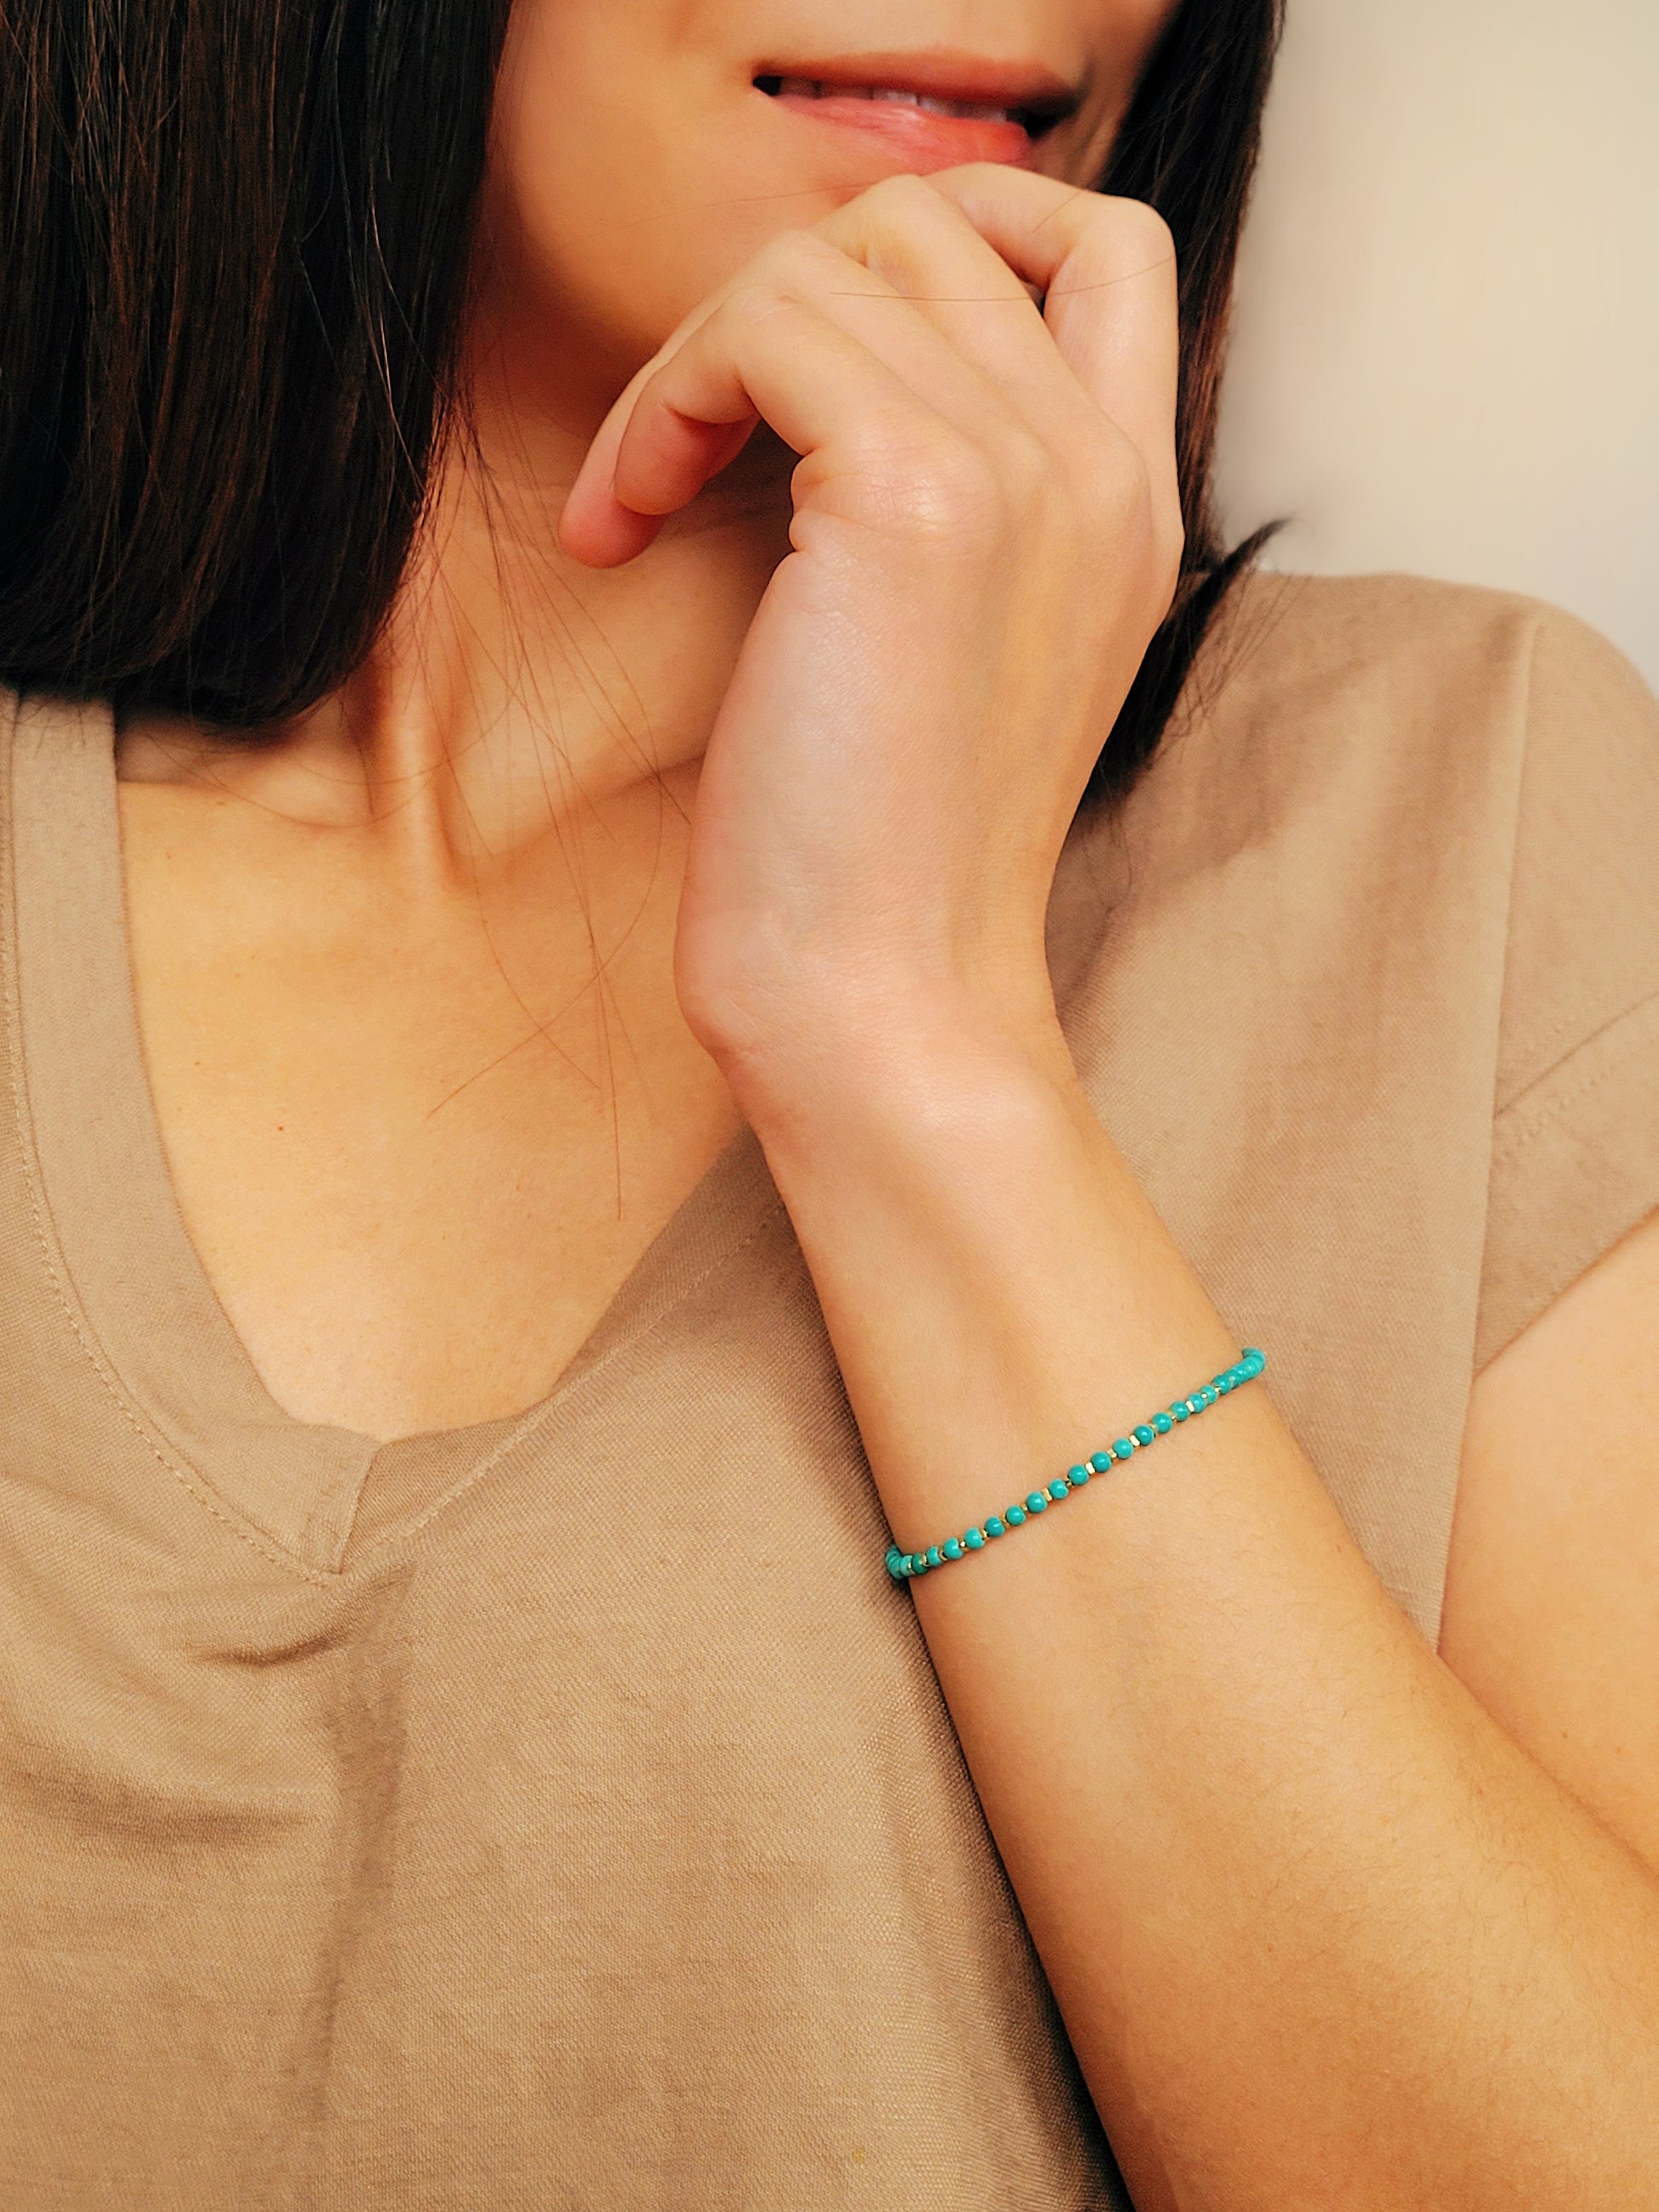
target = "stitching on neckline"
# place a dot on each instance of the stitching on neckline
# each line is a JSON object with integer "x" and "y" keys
{"x": 46, "y": 1241}
{"x": 194, "y": 1481}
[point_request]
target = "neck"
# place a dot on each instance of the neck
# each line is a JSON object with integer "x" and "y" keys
{"x": 512, "y": 690}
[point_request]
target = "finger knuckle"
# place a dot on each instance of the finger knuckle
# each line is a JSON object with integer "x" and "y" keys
{"x": 758, "y": 300}
{"x": 1034, "y": 482}
{"x": 898, "y": 206}
{"x": 1126, "y": 515}
{"x": 1138, "y": 224}
{"x": 1118, "y": 484}
{"x": 901, "y": 194}
{"x": 794, "y": 254}
{"x": 951, "y": 492}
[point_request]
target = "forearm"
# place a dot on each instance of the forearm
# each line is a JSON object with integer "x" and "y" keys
{"x": 1321, "y": 1933}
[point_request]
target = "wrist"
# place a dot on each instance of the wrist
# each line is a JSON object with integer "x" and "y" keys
{"x": 869, "y": 1061}
{"x": 919, "y": 1115}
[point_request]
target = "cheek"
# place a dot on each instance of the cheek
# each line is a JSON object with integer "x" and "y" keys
{"x": 631, "y": 175}
{"x": 634, "y": 168}
{"x": 1120, "y": 35}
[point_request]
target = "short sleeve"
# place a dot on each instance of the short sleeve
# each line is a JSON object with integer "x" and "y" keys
{"x": 1576, "y": 1141}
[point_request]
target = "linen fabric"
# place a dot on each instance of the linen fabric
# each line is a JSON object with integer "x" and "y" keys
{"x": 564, "y": 1812}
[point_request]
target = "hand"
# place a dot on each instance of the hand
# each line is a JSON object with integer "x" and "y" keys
{"x": 986, "y": 533}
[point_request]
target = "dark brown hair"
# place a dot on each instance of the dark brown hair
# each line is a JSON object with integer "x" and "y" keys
{"x": 235, "y": 242}
{"x": 1189, "y": 148}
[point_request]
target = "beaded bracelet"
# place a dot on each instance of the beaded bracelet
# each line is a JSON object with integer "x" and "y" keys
{"x": 907, "y": 1566}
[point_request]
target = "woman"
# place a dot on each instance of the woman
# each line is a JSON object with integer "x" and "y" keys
{"x": 636, "y": 1010}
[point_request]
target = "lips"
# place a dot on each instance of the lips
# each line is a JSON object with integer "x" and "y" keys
{"x": 931, "y": 116}
{"x": 963, "y": 111}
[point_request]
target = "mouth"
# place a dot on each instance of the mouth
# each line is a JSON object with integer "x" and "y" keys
{"x": 932, "y": 110}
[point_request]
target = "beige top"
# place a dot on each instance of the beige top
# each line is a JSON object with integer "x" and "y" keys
{"x": 564, "y": 1812}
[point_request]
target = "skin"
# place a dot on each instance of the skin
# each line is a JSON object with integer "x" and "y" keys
{"x": 782, "y": 753}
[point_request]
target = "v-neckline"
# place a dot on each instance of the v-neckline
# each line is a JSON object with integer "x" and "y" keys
{"x": 152, "y": 1318}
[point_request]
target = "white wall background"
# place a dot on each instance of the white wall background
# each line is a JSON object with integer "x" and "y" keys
{"x": 1446, "y": 350}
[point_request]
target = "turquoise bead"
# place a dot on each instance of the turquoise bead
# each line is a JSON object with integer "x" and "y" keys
{"x": 905, "y": 1566}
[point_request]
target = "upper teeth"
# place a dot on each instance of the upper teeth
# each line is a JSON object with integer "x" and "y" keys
{"x": 969, "y": 111}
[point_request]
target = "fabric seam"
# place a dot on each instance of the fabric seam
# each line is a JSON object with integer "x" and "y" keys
{"x": 1566, "y": 1060}
{"x": 192, "y": 1480}
{"x": 45, "y": 1232}
{"x": 1507, "y": 1145}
